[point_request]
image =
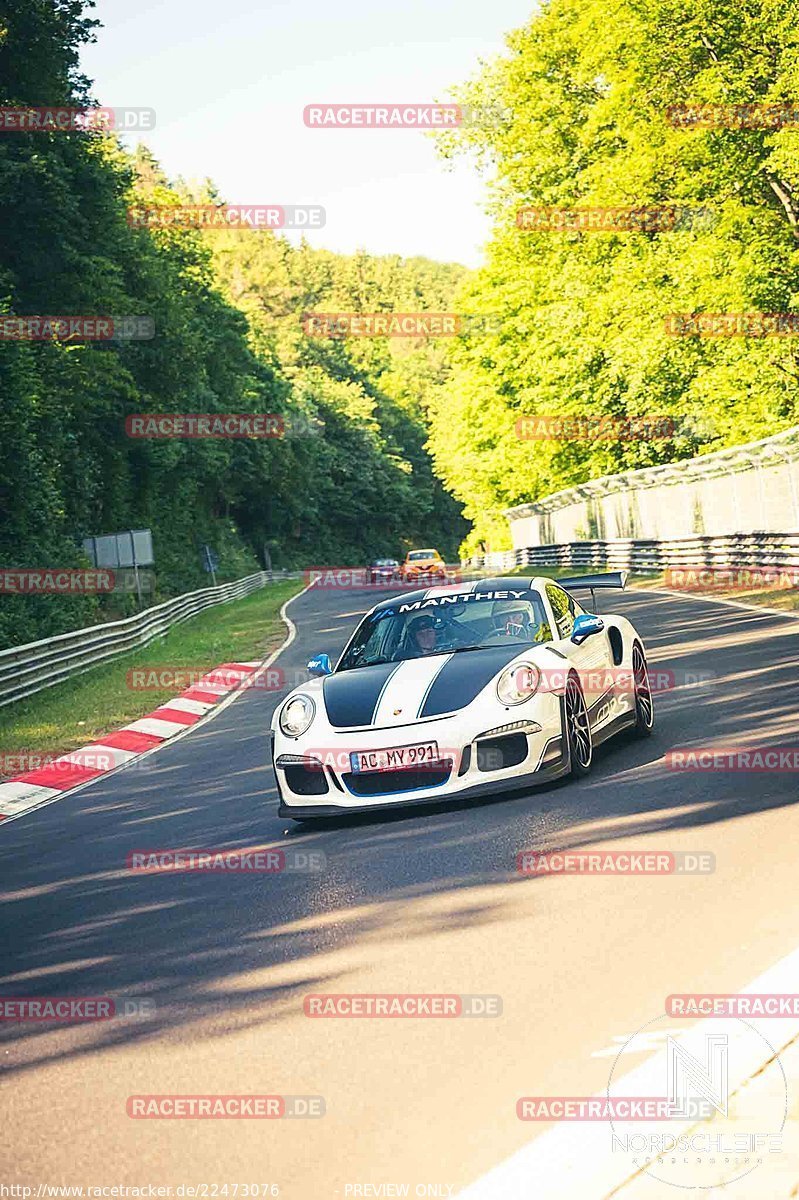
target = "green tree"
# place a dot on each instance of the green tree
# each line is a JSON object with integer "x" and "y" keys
{"x": 584, "y": 92}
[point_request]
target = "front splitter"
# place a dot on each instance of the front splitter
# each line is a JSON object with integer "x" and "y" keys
{"x": 491, "y": 787}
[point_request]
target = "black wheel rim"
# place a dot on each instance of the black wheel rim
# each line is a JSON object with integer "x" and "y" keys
{"x": 577, "y": 721}
{"x": 643, "y": 694}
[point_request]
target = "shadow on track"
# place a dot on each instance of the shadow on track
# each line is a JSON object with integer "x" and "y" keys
{"x": 240, "y": 950}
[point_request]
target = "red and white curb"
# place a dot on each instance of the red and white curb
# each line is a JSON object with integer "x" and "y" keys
{"x": 204, "y": 700}
{"x": 25, "y": 792}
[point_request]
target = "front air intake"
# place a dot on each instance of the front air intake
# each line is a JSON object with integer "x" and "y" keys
{"x": 497, "y": 754}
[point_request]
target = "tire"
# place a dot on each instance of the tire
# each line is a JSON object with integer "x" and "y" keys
{"x": 577, "y": 730}
{"x": 644, "y": 705}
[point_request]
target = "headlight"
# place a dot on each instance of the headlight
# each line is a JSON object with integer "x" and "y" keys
{"x": 296, "y": 715}
{"x": 518, "y": 683}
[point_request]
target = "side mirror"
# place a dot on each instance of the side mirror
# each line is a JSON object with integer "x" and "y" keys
{"x": 320, "y": 665}
{"x": 585, "y": 626}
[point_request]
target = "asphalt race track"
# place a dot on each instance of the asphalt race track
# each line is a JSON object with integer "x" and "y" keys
{"x": 424, "y": 901}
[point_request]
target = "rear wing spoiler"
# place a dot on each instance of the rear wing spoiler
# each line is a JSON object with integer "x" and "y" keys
{"x": 602, "y": 579}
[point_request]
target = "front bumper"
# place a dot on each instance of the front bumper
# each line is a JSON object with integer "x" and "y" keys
{"x": 423, "y": 578}
{"x": 311, "y": 782}
{"x": 493, "y": 788}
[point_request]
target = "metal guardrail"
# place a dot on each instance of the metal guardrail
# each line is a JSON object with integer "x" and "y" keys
{"x": 35, "y": 666}
{"x": 778, "y": 551}
{"x": 25, "y": 670}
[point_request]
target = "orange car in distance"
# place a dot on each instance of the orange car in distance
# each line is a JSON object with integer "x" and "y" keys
{"x": 423, "y": 564}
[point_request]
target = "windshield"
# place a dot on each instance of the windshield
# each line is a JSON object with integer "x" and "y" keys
{"x": 418, "y": 555}
{"x": 448, "y": 624}
{"x": 385, "y": 562}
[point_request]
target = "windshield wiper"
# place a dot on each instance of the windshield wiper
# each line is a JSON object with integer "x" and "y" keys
{"x": 466, "y": 649}
{"x": 495, "y": 646}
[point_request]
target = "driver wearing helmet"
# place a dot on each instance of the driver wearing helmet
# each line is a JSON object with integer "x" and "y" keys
{"x": 512, "y": 620}
{"x": 422, "y": 635}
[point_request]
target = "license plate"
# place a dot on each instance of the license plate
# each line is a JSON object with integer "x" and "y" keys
{"x": 395, "y": 758}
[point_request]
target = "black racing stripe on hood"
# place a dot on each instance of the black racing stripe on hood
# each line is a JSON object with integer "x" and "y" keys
{"x": 351, "y": 696}
{"x": 460, "y": 680}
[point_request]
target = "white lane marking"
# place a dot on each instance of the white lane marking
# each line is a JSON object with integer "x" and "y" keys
{"x": 406, "y": 689}
{"x": 198, "y": 707}
{"x": 50, "y": 795}
{"x": 574, "y": 1161}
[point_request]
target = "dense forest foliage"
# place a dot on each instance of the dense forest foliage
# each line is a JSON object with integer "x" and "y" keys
{"x": 403, "y": 432}
{"x": 228, "y": 339}
{"x": 585, "y": 93}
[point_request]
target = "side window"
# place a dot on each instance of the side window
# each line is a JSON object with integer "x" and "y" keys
{"x": 564, "y": 607}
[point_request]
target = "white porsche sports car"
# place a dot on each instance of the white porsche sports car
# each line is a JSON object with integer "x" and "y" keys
{"x": 460, "y": 691}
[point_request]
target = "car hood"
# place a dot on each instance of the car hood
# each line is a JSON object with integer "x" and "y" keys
{"x": 400, "y": 693}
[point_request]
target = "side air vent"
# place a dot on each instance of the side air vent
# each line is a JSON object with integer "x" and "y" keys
{"x": 497, "y": 754}
{"x": 616, "y": 645}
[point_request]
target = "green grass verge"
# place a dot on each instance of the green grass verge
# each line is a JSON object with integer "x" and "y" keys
{"x": 82, "y": 709}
